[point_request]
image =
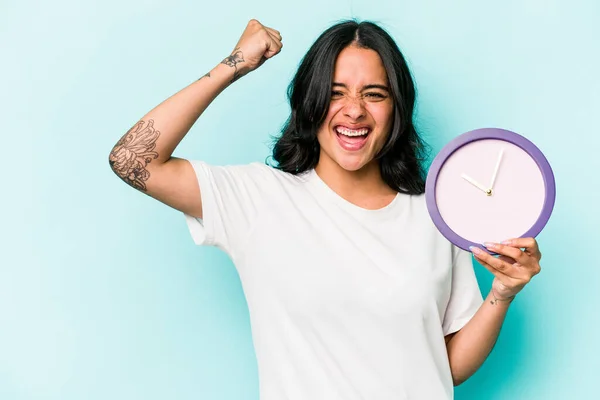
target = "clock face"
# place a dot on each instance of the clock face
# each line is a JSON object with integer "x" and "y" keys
{"x": 489, "y": 185}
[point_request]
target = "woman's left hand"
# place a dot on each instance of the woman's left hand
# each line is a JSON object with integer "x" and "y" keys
{"x": 514, "y": 268}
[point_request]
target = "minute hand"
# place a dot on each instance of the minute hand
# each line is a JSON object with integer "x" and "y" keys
{"x": 496, "y": 169}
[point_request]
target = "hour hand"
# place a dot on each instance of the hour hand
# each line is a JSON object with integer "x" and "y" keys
{"x": 476, "y": 184}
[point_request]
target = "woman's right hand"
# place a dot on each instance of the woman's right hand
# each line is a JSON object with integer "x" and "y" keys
{"x": 257, "y": 44}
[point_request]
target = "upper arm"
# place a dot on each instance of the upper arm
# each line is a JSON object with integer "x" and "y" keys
{"x": 465, "y": 295}
{"x": 173, "y": 183}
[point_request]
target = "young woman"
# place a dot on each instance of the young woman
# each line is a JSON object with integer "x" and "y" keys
{"x": 352, "y": 292}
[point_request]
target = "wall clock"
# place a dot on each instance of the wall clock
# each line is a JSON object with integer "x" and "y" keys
{"x": 489, "y": 185}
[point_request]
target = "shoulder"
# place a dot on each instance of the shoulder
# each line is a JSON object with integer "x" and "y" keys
{"x": 418, "y": 205}
{"x": 421, "y": 221}
{"x": 275, "y": 175}
{"x": 254, "y": 174}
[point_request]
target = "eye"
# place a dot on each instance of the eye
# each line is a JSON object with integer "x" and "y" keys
{"x": 375, "y": 95}
{"x": 336, "y": 94}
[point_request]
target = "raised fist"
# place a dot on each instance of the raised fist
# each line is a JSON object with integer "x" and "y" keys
{"x": 257, "y": 44}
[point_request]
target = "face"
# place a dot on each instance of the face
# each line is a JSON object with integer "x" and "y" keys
{"x": 360, "y": 114}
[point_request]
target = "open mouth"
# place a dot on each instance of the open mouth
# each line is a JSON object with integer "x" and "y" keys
{"x": 352, "y": 139}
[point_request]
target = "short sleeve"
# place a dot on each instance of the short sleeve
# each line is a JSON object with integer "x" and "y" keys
{"x": 231, "y": 197}
{"x": 465, "y": 296}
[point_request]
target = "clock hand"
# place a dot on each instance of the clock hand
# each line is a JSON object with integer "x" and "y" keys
{"x": 476, "y": 184}
{"x": 496, "y": 169}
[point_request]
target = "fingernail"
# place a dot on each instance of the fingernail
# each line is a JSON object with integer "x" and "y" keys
{"x": 475, "y": 250}
{"x": 508, "y": 242}
{"x": 490, "y": 245}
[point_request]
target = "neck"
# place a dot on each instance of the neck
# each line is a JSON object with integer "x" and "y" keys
{"x": 364, "y": 187}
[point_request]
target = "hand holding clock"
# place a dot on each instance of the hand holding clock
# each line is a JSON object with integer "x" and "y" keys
{"x": 468, "y": 218}
{"x": 514, "y": 268}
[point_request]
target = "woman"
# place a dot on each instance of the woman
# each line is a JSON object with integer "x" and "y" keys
{"x": 352, "y": 292}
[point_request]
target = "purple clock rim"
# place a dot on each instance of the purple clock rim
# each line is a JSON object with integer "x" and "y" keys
{"x": 489, "y": 133}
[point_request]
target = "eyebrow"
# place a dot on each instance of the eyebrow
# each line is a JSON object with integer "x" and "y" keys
{"x": 371, "y": 86}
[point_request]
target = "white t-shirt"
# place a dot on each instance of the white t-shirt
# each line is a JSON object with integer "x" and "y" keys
{"x": 345, "y": 303}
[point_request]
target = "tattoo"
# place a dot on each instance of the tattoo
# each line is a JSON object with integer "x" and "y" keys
{"x": 233, "y": 60}
{"x": 133, "y": 152}
{"x": 207, "y": 75}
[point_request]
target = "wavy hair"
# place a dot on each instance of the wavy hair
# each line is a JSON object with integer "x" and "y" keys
{"x": 297, "y": 150}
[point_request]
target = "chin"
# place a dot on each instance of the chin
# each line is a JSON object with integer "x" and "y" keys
{"x": 351, "y": 163}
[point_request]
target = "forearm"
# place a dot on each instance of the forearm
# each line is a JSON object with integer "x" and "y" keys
{"x": 162, "y": 129}
{"x": 469, "y": 347}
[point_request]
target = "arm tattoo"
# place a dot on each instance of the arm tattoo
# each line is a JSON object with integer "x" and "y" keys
{"x": 133, "y": 152}
{"x": 207, "y": 75}
{"x": 233, "y": 60}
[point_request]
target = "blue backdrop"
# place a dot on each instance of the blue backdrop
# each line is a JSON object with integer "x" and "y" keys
{"x": 103, "y": 294}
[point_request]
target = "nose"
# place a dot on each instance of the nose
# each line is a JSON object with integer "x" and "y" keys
{"x": 354, "y": 108}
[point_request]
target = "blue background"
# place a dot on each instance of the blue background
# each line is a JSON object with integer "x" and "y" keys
{"x": 103, "y": 294}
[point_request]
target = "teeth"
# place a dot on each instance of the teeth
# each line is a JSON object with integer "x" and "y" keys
{"x": 350, "y": 132}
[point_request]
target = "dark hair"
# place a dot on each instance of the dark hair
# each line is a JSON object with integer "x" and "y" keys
{"x": 297, "y": 149}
